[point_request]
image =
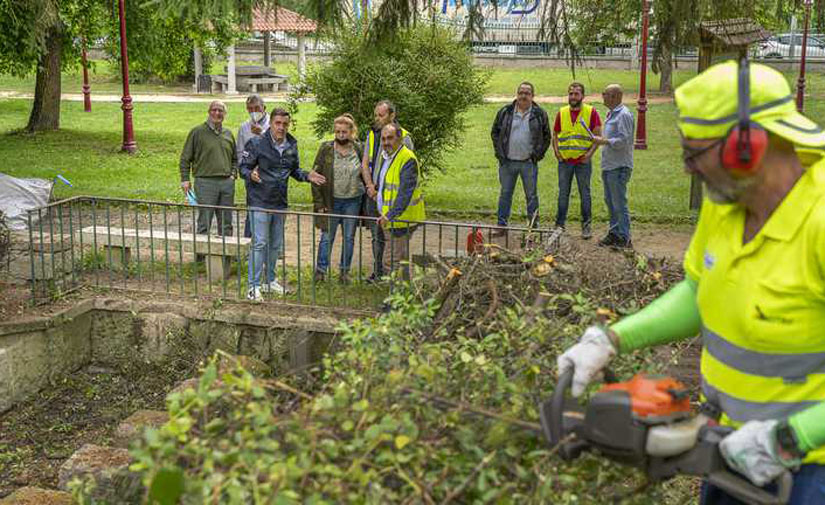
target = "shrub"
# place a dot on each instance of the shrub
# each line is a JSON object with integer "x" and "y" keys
{"x": 424, "y": 70}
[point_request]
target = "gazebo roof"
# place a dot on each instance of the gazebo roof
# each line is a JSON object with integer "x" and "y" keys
{"x": 281, "y": 20}
{"x": 734, "y": 32}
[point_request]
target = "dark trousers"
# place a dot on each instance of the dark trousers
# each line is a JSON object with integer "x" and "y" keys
{"x": 582, "y": 171}
{"x": 509, "y": 172}
{"x": 808, "y": 489}
{"x": 215, "y": 191}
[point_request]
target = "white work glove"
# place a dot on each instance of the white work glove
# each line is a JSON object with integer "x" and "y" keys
{"x": 588, "y": 358}
{"x": 752, "y": 451}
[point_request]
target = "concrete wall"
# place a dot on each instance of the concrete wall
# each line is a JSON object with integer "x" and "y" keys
{"x": 39, "y": 351}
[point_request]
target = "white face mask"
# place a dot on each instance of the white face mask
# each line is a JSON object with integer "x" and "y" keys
{"x": 256, "y": 116}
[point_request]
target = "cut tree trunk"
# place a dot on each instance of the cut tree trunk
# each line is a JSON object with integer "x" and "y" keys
{"x": 45, "y": 113}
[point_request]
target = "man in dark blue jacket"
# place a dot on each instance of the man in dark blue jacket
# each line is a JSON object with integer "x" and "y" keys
{"x": 267, "y": 164}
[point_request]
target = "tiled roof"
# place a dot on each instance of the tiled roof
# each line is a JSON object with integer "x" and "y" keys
{"x": 735, "y": 32}
{"x": 281, "y": 20}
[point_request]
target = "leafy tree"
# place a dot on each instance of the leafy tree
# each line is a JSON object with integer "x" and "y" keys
{"x": 45, "y": 36}
{"x": 425, "y": 71}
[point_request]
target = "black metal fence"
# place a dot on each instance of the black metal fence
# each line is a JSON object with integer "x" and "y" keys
{"x": 153, "y": 247}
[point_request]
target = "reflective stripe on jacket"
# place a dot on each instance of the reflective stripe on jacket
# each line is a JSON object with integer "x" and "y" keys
{"x": 392, "y": 186}
{"x": 574, "y": 139}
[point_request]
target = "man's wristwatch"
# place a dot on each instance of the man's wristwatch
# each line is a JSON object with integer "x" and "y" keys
{"x": 787, "y": 444}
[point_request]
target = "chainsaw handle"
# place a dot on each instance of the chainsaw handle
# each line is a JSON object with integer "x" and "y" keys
{"x": 553, "y": 429}
{"x": 747, "y": 492}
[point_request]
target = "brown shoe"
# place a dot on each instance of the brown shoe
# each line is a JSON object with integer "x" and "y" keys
{"x": 343, "y": 278}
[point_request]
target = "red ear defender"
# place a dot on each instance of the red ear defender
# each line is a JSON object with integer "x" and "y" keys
{"x": 742, "y": 155}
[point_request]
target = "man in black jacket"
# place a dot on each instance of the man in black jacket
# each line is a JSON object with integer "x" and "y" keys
{"x": 267, "y": 164}
{"x": 521, "y": 136}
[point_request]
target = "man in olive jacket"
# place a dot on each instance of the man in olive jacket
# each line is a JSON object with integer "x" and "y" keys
{"x": 209, "y": 155}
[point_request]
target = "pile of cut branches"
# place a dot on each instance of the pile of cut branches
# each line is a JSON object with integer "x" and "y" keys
{"x": 433, "y": 402}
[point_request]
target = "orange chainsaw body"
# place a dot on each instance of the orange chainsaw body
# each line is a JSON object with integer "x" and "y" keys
{"x": 654, "y": 396}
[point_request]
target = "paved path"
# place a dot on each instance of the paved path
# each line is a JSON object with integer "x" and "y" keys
{"x": 241, "y": 98}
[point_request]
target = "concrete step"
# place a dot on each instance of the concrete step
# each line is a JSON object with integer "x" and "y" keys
{"x": 132, "y": 427}
{"x": 256, "y": 367}
{"x": 37, "y": 496}
{"x": 108, "y": 468}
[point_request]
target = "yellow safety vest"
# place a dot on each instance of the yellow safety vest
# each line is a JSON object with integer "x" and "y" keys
{"x": 574, "y": 139}
{"x": 374, "y": 146}
{"x": 763, "y": 306}
{"x": 392, "y": 183}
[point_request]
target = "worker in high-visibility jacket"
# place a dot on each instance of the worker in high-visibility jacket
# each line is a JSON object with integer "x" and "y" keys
{"x": 755, "y": 278}
{"x": 399, "y": 198}
{"x": 385, "y": 113}
{"x": 576, "y": 125}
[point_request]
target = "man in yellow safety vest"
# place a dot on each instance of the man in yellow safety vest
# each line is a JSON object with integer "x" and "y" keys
{"x": 399, "y": 197}
{"x": 755, "y": 278}
{"x": 576, "y": 125}
{"x": 385, "y": 113}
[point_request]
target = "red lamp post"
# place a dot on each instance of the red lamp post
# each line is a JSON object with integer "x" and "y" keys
{"x": 129, "y": 144}
{"x": 800, "y": 83}
{"x": 87, "y": 98}
{"x": 641, "y": 126}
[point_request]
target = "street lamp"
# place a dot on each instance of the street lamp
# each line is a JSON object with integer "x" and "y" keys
{"x": 129, "y": 144}
{"x": 87, "y": 99}
{"x": 641, "y": 127}
{"x": 800, "y": 83}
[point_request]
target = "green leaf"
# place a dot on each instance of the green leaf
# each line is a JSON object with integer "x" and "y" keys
{"x": 167, "y": 486}
{"x": 401, "y": 441}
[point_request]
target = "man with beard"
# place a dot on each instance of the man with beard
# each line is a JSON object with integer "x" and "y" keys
{"x": 755, "y": 279}
{"x": 521, "y": 136}
{"x": 385, "y": 113}
{"x": 576, "y": 125}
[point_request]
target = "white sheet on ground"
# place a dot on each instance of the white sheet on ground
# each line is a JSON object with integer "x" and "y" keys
{"x": 17, "y": 196}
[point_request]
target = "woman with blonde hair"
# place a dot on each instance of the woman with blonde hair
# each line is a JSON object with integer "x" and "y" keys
{"x": 339, "y": 161}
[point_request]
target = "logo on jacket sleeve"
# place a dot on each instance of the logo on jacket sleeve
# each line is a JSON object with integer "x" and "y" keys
{"x": 709, "y": 260}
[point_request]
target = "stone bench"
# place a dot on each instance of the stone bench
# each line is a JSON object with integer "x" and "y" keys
{"x": 119, "y": 242}
{"x": 220, "y": 83}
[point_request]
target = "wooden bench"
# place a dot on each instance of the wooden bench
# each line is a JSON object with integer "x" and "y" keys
{"x": 218, "y": 250}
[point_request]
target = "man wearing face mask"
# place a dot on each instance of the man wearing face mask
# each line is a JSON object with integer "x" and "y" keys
{"x": 253, "y": 127}
{"x": 209, "y": 155}
{"x": 257, "y": 123}
{"x": 385, "y": 113}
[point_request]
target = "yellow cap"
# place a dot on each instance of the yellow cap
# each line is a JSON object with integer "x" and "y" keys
{"x": 707, "y": 107}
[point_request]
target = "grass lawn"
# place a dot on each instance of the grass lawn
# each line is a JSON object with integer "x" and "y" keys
{"x": 86, "y": 150}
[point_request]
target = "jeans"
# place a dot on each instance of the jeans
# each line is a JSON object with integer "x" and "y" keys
{"x": 379, "y": 240}
{"x": 508, "y": 174}
{"x": 582, "y": 172}
{"x": 347, "y": 207}
{"x": 215, "y": 191}
{"x": 615, "y": 196}
{"x": 267, "y": 239}
{"x": 808, "y": 489}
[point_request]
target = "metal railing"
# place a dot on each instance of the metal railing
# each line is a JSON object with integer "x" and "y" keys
{"x": 153, "y": 247}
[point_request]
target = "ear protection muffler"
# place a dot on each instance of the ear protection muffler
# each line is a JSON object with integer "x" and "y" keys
{"x": 747, "y": 141}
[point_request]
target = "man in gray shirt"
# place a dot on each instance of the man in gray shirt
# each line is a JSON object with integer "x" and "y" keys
{"x": 617, "y": 165}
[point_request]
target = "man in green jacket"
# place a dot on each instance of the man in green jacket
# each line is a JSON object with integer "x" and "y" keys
{"x": 209, "y": 155}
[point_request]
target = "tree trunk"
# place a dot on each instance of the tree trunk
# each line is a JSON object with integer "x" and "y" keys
{"x": 666, "y": 70}
{"x": 45, "y": 113}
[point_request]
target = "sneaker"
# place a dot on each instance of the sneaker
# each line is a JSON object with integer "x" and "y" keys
{"x": 623, "y": 244}
{"x": 374, "y": 279}
{"x": 586, "y": 233}
{"x": 609, "y": 240}
{"x": 343, "y": 278}
{"x": 274, "y": 288}
{"x": 255, "y": 294}
{"x": 319, "y": 276}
